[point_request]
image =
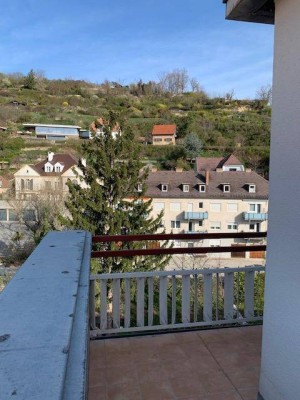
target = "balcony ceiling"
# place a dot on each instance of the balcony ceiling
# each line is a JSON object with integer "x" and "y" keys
{"x": 262, "y": 11}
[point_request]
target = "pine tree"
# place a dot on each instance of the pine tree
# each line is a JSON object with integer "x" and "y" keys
{"x": 113, "y": 203}
{"x": 30, "y": 80}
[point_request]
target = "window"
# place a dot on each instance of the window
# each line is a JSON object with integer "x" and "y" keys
{"x": 186, "y": 188}
{"x": 201, "y": 204}
{"x": 3, "y": 215}
{"x": 200, "y": 223}
{"x": 215, "y": 207}
{"x": 175, "y": 207}
{"x": 48, "y": 167}
{"x": 139, "y": 187}
{"x": 255, "y": 207}
{"x": 57, "y": 184}
{"x": 168, "y": 140}
{"x": 232, "y": 226}
{"x": 215, "y": 243}
{"x": 215, "y": 226}
{"x": 202, "y": 188}
{"x": 29, "y": 184}
{"x": 47, "y": 184}
{"x": 252, "y": 188}
{"x": 58, "y": 168}
{"x": 226, "y": 188}
{"x": 158, "y": 206}
{"x": 251, "y": 227}
{"x": 12, "y": 215}
{"x": 232, "y": 207}
{"x": 190, "y": 245}
{"x": 29, "y": 215}
{"x": 175, "y": 224}
{"x": 157, "y": 140}
{"x": 164, "y": 187}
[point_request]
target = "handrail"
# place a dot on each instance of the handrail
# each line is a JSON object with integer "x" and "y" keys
{"x": 176, "y": 236}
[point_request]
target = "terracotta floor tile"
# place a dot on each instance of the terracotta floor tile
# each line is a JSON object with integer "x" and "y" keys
{"x": 244, "y": 377}
{"x": 117, "y": 345}
{"x": 249, "y": 394}
{"x": 120, "y": 375}
{"x": 97, "y": 377}
{"x": 231, "y": 395}
{"x": 124, "y": 391}
{"x": 97, "y": 393}
{"x": 216, "y": 382}
{"x": 161, "y": 390}
{"x": 184, "y": 388}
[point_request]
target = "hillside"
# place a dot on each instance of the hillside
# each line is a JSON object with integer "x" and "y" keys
{"x": 223, "y": 124}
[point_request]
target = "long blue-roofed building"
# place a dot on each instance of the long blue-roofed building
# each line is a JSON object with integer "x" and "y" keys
{"x": 53, "y": 132}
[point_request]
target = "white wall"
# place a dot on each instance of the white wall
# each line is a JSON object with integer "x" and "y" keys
{"x": 281, "y": 333}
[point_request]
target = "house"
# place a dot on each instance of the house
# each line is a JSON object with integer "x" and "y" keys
{"x": 48, "y": 176}
{"x": 53, "y": 132}
{"x": 97, "y": 127}
{"x": 163, "y": 135}
{"x": 219, "y": 196}
{"x": 4, "y": 185}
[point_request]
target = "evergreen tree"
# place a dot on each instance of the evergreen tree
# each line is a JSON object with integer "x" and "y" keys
{"x": 30, "y": 80}
{"x": 192, "y": 145}
{"x": 112, "y": 201}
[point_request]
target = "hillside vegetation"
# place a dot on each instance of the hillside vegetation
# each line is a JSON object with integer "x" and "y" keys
{"x": 223, "y": 124}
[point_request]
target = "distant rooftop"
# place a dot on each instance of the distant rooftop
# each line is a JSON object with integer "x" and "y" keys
{"x": 164, "y": 130}
{"x": 51, "y": 126}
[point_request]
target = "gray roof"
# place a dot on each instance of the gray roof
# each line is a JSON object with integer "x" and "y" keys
{"x": 237, "y": 180}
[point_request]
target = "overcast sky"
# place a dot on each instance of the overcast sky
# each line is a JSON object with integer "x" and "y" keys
{"x": 128, "y": 40}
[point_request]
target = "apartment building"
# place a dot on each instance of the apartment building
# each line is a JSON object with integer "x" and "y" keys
{"x": 220, "y": 195}
{"x": 48, "y": 176}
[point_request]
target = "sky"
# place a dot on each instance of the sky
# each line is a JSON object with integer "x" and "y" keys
{"x": 128, "y": 40}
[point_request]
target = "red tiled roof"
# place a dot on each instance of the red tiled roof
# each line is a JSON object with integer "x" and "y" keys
{"x": 164, "y": 130}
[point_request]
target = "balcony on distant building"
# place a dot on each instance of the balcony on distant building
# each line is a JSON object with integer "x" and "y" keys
{"x": 255, "y": 216}
{"x": 195, "y": 215}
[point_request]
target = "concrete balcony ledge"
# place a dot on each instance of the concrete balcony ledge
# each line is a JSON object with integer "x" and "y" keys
{"x": 255, "y": 216}
{"x": 251, "y": 10}
{"x": 195, "y": 215}
{"x": 44, "y": 322}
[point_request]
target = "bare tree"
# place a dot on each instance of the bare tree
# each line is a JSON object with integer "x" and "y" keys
{"x": 264, "y": 93}
{"x": 174, "y": 82}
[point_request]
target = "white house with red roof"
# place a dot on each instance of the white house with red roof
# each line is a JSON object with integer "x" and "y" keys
{"x": 163, "y": 135}
{"x": 48, "y": 176}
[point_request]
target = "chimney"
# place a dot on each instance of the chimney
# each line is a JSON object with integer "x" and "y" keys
{"x": 178, "y": 169}
{"x": 154, "y": 169}
{"x": 248, "y": 169}
{"x": 83, "y": 162}
{"x": 207, "y": 177}
{"x": 50, "y": 155}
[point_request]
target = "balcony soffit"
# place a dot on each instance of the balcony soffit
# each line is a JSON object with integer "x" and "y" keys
{"x": 262, "y": 11}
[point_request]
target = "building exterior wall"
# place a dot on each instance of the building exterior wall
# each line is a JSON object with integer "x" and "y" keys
{"x": 163, "y": 140}
{"x": 223, "y": 215}
{"x": 281, "y": 332}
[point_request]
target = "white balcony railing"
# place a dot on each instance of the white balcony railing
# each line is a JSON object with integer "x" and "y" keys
{"x": 147, "y": 301}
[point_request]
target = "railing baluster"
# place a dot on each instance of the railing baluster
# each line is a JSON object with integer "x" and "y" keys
{"x": 174, "y": 295}
{"x": 163, "y": 305}
{"x": 207, "y": 297}
{"x": 195, "y": 298}
{"x": 140, "y": 309}
{"x": 186, "y": 306}
{"x": 103, "y": 304}
{"x": 249, "y": 294}
{"x": 228, "y": 295}
{"x": 127, "y": 303}
{"x": 116, "y": 303}
{"x": 150, "y": 301}
{"x": 92, "y": 305}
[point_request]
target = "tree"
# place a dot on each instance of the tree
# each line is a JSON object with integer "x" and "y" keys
{"x": 112, "y": 203}
{"x": 192, "y": 145}
{"x": 30, "y": 80}
{"x": 264, "y": 94}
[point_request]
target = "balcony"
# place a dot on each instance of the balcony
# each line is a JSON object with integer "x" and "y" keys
{"x": 146, "y": 341}
{"x": 255, "y": 216}
{"x": 195, "y": 215}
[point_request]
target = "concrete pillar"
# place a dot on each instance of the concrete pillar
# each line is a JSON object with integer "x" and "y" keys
{"x": 281, "y": 333}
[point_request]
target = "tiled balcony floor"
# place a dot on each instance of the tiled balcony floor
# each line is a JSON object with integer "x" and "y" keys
{"x": 219, "y": 364}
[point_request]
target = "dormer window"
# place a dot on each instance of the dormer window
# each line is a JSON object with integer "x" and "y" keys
{"x": 202, "y": 188}
{"x": 58, "y": 167}
{"x": 226, "y": 187}
{"x": 48, "y": 167}
{"x": 252, "y": 188}
{"x": 185, "y": 188}
{"x": 164, "y": 187}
